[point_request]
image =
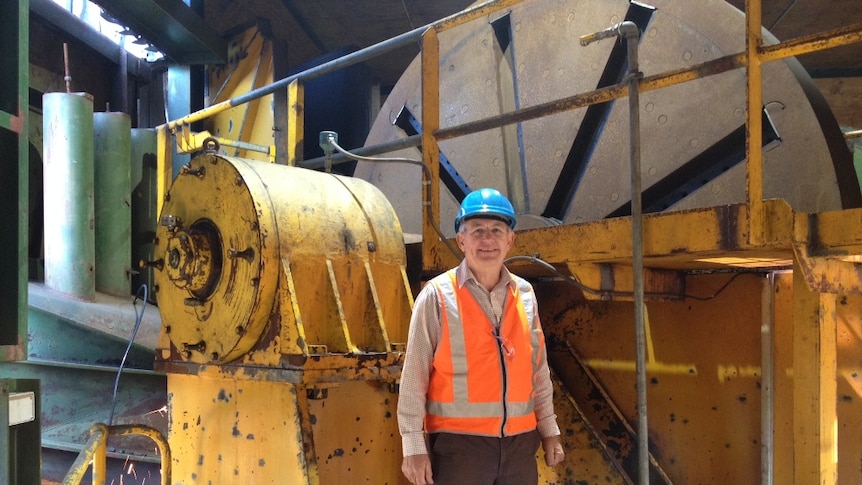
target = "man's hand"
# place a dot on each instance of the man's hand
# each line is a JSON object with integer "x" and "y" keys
{"x": 554, "y": 453}
{"x": 417, "y": 469}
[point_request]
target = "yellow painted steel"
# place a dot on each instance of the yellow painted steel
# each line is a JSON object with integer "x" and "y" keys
{"x": 192, "y": 142}
{"x": 280, "y": 289}
{"x": 246, "y": 235}
{"x": 295, "y": 122}
{"x": 613, "y": 281}
{"x": 705, "y": 423}
{"x": 588, "y": 453}
{"x": 815, "y": 420}
{"x": 250, "y": 67}
{"x": 754, "y": 120}
{"x": 95, "y": 452}
{"x": 164, "y": 156}
{"x": 256, "y": 431}
{"x": 430, "y": 149}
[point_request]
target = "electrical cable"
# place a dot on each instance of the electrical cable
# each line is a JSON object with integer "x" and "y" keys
{"x": 781, "y": 17}
{"x": 331, "y": 140}
{"x": 717, "y": 292}
{"x": 608, "y": 294}
{"x": 138, "y": 319}
{"x": 605, "y": 295}
{"x": 407, "y": 13}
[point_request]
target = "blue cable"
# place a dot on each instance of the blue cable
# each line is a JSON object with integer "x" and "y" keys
{"x": 138, "y": 319}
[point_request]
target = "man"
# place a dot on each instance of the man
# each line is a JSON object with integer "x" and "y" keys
{"x": 475, "y": 377}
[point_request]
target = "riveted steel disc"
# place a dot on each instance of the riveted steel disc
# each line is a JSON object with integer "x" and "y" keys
{"x": 219, "y": 245}
{"x": 574, "y": 166}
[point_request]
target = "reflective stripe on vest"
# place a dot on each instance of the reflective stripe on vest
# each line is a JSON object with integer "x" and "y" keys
{"x": 473, "y": 402}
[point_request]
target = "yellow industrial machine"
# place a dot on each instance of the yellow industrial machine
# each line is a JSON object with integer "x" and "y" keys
{"x": 285, "y": 297}
{"x": 282, "y": 291}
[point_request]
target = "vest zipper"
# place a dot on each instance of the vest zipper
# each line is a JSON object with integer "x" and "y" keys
{"x": 504, "y": 379}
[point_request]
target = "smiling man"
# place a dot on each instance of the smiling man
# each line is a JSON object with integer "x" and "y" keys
{"x": 476, "y": 398}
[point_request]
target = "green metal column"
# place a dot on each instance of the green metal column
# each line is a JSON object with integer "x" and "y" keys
{"x": 112, "y": 205}
{"x": 14, "y": 168}
{"x": 20, "y": 442}
{"x": 69, "y": 180}
{"x": 144, "y": 217}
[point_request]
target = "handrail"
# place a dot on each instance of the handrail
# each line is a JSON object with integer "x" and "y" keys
{"x": 164, "y": 131}
{"x": 348, "y": 60}
{"x": 95, "y": 452}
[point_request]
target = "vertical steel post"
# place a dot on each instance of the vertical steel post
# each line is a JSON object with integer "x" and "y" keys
{"x": 14, "y": 168}
{"x": 295, "y": 122}
{"x": 754, "y": 123}
{"x": 628, "y": 30}
{"x": 815, "y": 388}
{"x": 767, "y": 392}
{"x": 430, "y": 149}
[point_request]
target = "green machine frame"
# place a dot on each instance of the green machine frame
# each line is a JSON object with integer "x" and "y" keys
{"x": 20, "y": 460}
{"x": 14, "y": 169}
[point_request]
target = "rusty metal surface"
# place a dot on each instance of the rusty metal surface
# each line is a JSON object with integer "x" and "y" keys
{"x": 262, "y": 260}
{"x": 704, "y": 375}
{"x": 616, "y": 437}
{"x": 697, "y": 414}
{"x": 586, "y": 458}
{"x": 226, "y": 428}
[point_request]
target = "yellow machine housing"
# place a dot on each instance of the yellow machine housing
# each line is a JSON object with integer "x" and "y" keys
{"x": 283, "y": 292}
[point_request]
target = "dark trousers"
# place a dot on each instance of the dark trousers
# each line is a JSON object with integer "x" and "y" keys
{"x": 480, "y": 460}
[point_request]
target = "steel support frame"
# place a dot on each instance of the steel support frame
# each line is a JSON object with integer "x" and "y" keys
{"x": 818, "y": 245}
{"x": 14, "y": 90}
{"x": 824, "y": 248}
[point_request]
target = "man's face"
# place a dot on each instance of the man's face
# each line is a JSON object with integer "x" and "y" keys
{"x": 485, "y": 242}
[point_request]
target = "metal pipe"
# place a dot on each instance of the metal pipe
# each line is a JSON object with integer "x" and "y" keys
{"x": 847, "y": 35}
{"x": 70, "y": 259}
{"x": 67, "y": 78}
{"x": 767, "y": 378}
{"x": 389, "y": 146}
{"x": 629, "y": 31}
{"x": 601, "y": 95}
{"x": 325, "y": 68}
{"x": 98, "y": 435}
{"x": 112, "y": 202}
{"x": 155, "y": 435}
{"x": 361, "y": 55}
{"x": 95, "y": 452}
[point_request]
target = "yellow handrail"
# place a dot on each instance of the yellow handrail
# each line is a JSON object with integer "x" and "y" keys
{"x": 95, "y": 452}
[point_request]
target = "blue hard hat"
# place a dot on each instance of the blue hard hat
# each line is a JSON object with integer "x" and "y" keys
{"x": 486, "y": 203}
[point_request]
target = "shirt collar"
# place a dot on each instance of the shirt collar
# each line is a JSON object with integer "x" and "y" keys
{"x": 463, "y": 274}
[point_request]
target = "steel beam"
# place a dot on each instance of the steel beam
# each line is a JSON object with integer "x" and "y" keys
{"x": 172, "y": 26}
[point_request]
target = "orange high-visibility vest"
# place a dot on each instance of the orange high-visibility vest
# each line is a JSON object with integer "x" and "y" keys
{"x": 481, "y": 382}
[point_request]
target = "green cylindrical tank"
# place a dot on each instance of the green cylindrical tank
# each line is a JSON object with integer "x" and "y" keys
{"x": 112, "y": 154}
{"x": 68, "y": 188}
{"x": 144, "y": 217}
